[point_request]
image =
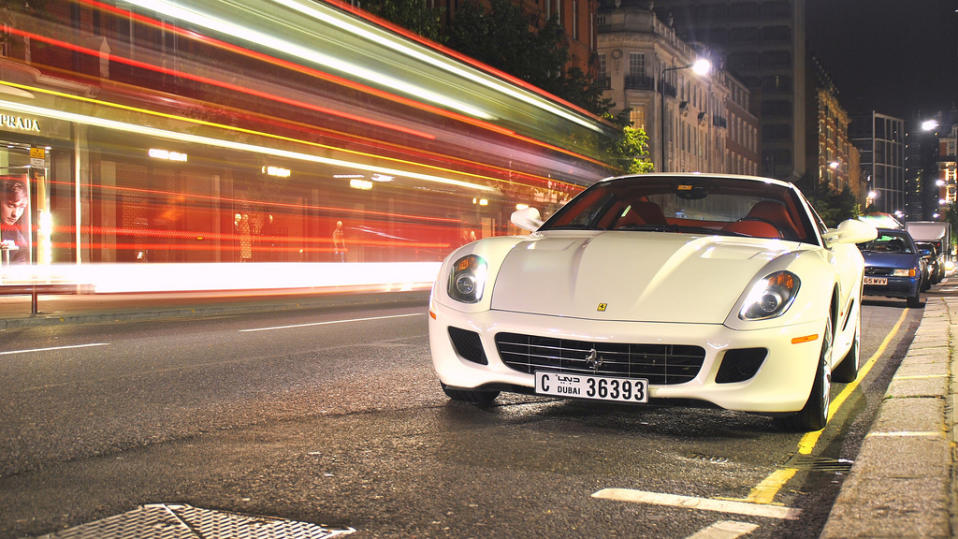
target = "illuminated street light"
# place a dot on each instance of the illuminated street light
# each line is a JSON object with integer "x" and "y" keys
{"x": 936, "y": 215}
{"x": 929, "y": 125}
{"x": 833, "y": 165}
{"x": 701, "y": 67}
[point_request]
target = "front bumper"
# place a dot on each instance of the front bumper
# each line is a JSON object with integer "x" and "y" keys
{"x": 897, "y": 287}
{"x": 782, "y": 383}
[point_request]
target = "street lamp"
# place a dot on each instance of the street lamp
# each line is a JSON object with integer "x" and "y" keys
{"x": 701, "y": 67}
{"x": 929, "y": 125}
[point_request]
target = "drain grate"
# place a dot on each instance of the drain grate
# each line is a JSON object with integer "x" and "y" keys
{"x": 820, "y": 464}
{"x": 177, "y": 521}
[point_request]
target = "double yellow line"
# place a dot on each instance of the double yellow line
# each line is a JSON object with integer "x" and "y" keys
{"x": 765, "y": 492}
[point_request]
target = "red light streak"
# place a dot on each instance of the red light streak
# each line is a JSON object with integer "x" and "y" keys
{"x": 459, "y": 56}
{"x": 265, "y": 203}
{"x": 339, "y": 80}
{"x": 255, "y": 239}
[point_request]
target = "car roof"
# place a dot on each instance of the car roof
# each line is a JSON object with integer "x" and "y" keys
{"x": 703, "y": 175}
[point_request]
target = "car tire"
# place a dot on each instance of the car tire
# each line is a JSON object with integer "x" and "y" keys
{"x": 814, "y": 414}
{"x": 914, "y": 301}
{"x": 847, "y": 370}
{"x": 472, "y": 396}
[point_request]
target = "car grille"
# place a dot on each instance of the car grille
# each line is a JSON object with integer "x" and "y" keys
{"x": 659, "y": 363}
{"x": 878, "y": 271}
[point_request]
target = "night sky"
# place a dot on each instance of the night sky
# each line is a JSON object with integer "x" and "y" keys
{"x": 898, "y": 57}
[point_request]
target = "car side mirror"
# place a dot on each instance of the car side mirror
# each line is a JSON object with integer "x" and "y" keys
{"x": 850, "y": 231}
{"x": 527, "y": 219}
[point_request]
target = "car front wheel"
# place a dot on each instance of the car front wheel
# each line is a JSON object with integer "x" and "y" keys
{"x": 472, "y": 396}
{"x": 815, "y": 413}
{"x": 847, "y": 370}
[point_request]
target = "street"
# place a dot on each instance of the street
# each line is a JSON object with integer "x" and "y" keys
{"x": 335, "y": 417}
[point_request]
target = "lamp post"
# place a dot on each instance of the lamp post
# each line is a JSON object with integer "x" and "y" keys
{"x": 701, "y": 67}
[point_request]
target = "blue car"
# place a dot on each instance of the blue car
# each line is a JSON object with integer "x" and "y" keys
{"x": 894, "y": 266}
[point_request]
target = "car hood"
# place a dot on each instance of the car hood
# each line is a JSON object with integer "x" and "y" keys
{"x": 638, "y": 276}
{"x": 889, "y": 260}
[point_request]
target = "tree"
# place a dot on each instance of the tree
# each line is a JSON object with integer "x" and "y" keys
{"x": 630, "y": 149}
{"x": 832, "y": 205}
{"x": 412, "y": 15}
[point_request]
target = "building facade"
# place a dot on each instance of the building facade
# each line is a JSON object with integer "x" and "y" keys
{"x": 831, "y": 159}
{"x": 764, "y": 43}
{"x": 645, "y": 68}
{"x": 880, "y": 139}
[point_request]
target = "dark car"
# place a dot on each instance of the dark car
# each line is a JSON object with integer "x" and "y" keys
{"x": 935, "y": 259}
{"x": 894, "y": 266}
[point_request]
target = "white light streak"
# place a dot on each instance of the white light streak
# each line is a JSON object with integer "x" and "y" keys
{"x": 286, "y": 48}
{"x": 329, "y": 16}
{"x": 220, "y": 143}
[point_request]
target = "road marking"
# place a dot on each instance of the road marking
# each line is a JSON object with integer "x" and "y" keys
{"x": 807, "y": 443}
{"x": 331, "y": 322}
{"x": 766, "y": 491}
{"x": 705, "y": 504}
{"x": 905, "y": 434}
{"x": 724, "y": 529}
{"x": 54, "y": 348}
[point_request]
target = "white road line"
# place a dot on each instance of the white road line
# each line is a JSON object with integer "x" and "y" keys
{"x": 54, "y": 348}
{"x": 332, "y": 322}
{"x": 905, "y": 434}
{"x": 725, "y": 529}
{"x": 705, "y": 504}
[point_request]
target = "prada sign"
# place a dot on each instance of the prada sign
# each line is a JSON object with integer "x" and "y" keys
{"x": 19, "y": 123}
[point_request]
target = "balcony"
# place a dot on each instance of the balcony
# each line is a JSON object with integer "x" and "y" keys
{"x": 639, "y": 82}
{"x": 667, "y": 89}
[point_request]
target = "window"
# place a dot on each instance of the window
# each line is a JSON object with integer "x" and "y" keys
{"x": 637, "y": 117}
{"x": 575, "y": 19}
{"x": 637, "y": 64}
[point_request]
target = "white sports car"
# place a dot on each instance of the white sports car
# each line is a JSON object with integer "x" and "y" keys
{"x": 718, "y": 288}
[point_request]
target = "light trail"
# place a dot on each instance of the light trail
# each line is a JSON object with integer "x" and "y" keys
{"x": 167, "y": 27}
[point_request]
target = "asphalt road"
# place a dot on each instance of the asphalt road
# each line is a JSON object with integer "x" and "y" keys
{"x": 334, "y": 417}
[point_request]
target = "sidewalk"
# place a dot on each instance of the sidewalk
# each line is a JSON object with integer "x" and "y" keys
{"x": 902, "y": 483}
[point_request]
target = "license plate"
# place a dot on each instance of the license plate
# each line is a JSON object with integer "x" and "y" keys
{"x": 880, "y": 281}
{"x": 587, "y": 386}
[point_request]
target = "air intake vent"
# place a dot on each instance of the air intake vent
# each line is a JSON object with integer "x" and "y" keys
{"x": 468, "y": 345}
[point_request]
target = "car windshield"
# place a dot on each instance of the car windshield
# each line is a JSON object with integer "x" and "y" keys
{"x": 888, "y": 242}
{"x": 688, "y": 204}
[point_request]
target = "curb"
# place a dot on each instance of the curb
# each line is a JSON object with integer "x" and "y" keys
{"x": 201, "y": 309}
{"x": 901, "y": 482}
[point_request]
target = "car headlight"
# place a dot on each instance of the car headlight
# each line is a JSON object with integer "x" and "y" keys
{"x": 904, "y": 272}
{"x": 771, "y": 296}
{"x": 467, "y": 279}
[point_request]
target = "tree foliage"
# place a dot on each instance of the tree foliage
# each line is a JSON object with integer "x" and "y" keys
{"x": 412, "y": 15}
{"x": 630, "y": 150}
{"x": 832, "y": 205}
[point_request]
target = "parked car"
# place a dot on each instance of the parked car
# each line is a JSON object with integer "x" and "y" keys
{"x": 934, "y": 258}
{"x": 893, "y": 266}
{"x": 724, "y": 289}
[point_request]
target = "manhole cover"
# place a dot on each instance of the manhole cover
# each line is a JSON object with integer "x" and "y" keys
{"x": 177, "y": 521}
